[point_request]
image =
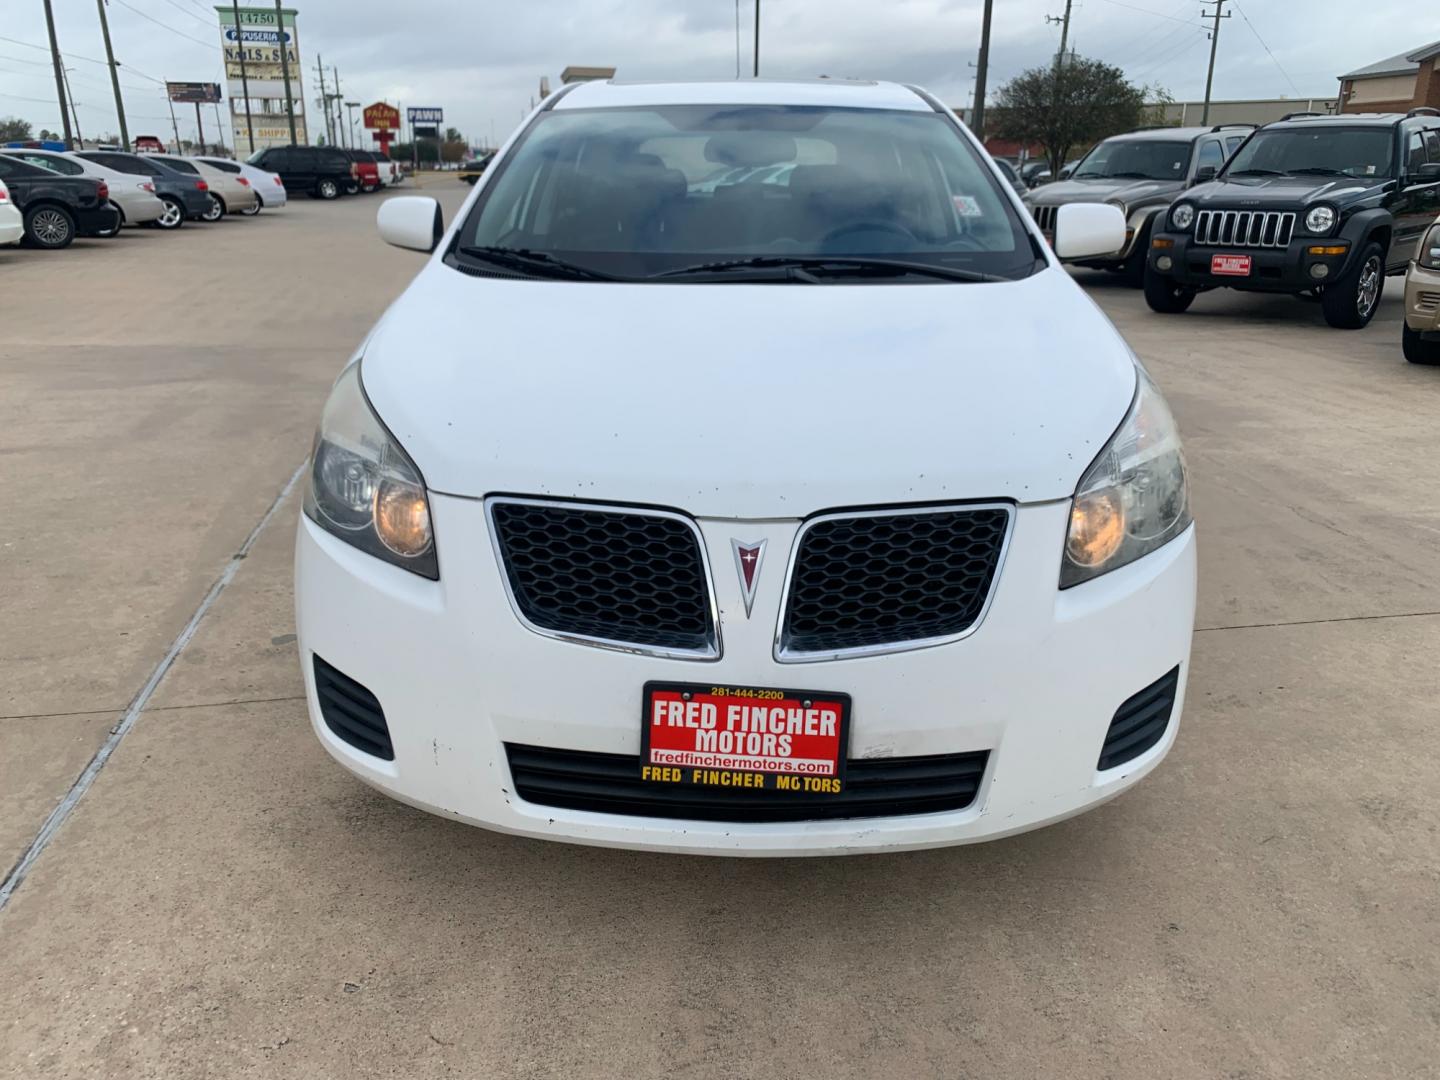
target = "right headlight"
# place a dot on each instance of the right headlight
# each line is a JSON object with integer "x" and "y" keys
{"x": 1182, "y": 216}
{"x": 1429, "y": 253}
{"x": 364, "y": 488}
{"x": 1133, "y": 498}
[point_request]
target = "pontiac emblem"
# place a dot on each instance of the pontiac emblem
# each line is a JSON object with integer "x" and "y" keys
{"x": 748, "y": 558}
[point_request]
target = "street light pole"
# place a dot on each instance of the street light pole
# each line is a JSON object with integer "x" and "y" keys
{"x": 79, "y": 136}
{"x": 59, "y": 76}
{"x": 114, "y": 76}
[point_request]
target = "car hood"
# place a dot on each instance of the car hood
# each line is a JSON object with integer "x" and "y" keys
{"x": 1283, "y": 192}
{"x": 1131, "y": 192}
{"x": 748, "y": 400}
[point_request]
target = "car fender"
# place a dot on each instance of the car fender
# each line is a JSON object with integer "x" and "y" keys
{"x": 1361, "y": 226}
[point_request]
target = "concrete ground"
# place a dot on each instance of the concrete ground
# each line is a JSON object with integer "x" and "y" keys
{"x": 225, "y": 902}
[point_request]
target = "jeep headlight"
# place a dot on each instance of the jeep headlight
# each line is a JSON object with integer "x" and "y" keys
{"x": 1182, "y": 216}
{"x": 1429, "y": 255}
{"x": 1320, "y": 219}
{"x": 1134, "y": 497}
{"x": 363, "y": 488}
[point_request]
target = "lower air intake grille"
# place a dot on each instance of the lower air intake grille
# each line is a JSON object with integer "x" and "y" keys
{"x": 610, "y": 575}
{"x": 879, "y": 579}
{"x": 874, "y": 787}
{"x": 352, "y": 712}
{"x": 1140, "y": 722}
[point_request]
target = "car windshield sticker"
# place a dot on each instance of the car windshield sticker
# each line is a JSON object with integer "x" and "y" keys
{"x": 966, "y": 206}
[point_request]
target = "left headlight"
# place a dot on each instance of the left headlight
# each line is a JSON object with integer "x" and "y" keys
{"x": 363, "y": 488}
{"x": 1320, "y": 219}
{"x": 1429, "y": 253}
{"x": 1134, "y": 498}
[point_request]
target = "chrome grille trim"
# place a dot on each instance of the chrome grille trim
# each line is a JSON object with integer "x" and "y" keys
{"x": 1244, "y": 228}
{"x": 1044, "y": 217}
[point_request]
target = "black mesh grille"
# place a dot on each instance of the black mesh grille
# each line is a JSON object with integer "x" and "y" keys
{"x": 887, "y": 579}
{"x": 874, "y": 787}
{"x": 352, "y": 712}
{"x": 621, "y": 575}
{"x": 1140, "y": 722}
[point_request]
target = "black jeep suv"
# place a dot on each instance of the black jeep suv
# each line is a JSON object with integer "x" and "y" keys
{"x": 1322, "y": 204}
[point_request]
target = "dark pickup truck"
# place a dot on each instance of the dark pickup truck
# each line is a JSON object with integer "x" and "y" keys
{"x": 1326, "y": 205}
{"x": 56, "y": 208}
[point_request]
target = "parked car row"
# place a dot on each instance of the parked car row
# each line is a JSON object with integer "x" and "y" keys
{"x": 59, "y": 195}
{"x": 1325, "y": 206}
{"x": 327, "y": 172}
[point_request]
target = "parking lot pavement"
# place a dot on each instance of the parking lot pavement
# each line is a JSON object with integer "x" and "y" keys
{"x": 224, "y": 902}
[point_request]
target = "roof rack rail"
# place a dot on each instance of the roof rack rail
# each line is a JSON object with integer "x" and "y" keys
{"x": 1221, "y": 127}
{"x": 1423, "y": 110}
{"x": 1293, "y": 115}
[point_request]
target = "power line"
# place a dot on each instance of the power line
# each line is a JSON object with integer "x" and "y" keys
{"x": 187, "y": 11}
{"x": 77, "y": 56}
{"x": 1267, "y": 49}
{"x": 167, "y": 26}
{"x": 1147, "y": 11}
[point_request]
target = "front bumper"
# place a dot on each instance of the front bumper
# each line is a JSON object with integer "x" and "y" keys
{"x": 1422, "y": 300}
{"x": 1289, "y": 269}
{"x": 458, "y": 677}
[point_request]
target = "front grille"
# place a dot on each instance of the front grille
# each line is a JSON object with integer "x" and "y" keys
{"x": 1140, "y": 722}
{"x": 874, "y": 787}
{"x": 1044, "y": 217}
{"x": 873, "y": 581}
{"x": 629, "y": 578}
{"x": 352, "y": 712}
{"x": 1244, "y": 228}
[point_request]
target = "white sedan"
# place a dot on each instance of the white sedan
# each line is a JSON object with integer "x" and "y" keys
{"x": 268, "y": 187}
{"x": 819, "y": 517}
{"x": 12, "y": 224}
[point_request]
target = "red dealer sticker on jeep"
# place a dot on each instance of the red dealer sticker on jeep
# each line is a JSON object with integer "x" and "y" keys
{"x": 1233, "y": 265}
{"x": 744, "y": 737}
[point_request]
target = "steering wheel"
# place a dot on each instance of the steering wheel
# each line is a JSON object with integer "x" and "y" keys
{"x": 866, "y": 226}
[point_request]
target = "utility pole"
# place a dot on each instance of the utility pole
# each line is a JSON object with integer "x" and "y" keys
{"x": 325, "y": 101}
{"x": 59, "y": 75}
{"x": 179, "y": 149}
{"x": 284, "y": 68}
{"x": 114, "y": 75}
{"x": 79, "y": 137}
{"x": 757, "y": 37}
{"x": 340, "y": 110}
{"x": 977, "y": 116}
{"x": 1064, "y": 21}
{"x": 350, "y": 107}
{"x": 1214, "y": 42}
{"x": 199, "y": 128}
{"x": 244, "y": 79}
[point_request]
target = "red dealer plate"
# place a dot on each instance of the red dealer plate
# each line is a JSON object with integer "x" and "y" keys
{"x": 1231, "y": 265}
{"x": 746, "y": 737}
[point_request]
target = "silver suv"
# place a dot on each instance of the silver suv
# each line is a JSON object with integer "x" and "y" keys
{"x": 1141, "y": 172}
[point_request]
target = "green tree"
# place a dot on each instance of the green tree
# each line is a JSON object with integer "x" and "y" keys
{"x": 1069, "y": 106}
{"x": 13, "y": 128}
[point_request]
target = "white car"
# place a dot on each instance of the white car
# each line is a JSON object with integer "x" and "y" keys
{"x": 12, "y": 224}
{"x": 134, "y": 196}
{"x": 268, "y": 187}
{"x": 811, "y": 518}
{"x": 229, "y": 193}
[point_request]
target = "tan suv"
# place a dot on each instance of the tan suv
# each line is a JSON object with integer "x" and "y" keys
{"x": 1422, "y": 301}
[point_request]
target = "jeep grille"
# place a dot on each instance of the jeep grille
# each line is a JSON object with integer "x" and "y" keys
{"x": 1244, "y": 228}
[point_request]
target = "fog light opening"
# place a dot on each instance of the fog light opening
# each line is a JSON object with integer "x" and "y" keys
{"x": 1164, "y": 262}
{"x": 1319, "y": 271}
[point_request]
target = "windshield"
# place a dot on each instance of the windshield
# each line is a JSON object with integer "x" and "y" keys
{"x": 1135, "y": 159}
{"x": 634, "y": 192}
{"x": 1323, "y": 151}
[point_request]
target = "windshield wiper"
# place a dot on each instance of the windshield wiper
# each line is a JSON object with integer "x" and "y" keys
{"x": 809, "y": 265}
{"x": 1254, "y": 172}
{"x": 534, "y": 262}
{"x": 1316, "y": 170}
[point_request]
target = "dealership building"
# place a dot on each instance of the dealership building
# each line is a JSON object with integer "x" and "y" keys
{"x": 1398, "y": 83}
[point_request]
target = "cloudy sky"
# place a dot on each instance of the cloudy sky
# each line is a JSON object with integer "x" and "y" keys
{"x": 481, "y": 60}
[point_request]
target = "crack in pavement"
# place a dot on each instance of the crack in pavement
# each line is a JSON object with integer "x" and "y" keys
{"x": 1320, "y": 622}
{"x": 156, "y": 708}
{"x": 82, "y": 784}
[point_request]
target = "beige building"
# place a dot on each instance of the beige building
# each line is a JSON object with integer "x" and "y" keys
{"x": 1396, "y": 84}
{"x": 1243, "y": 111}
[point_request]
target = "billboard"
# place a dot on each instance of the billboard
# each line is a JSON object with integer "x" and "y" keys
{"x": 264, "y": 38}
{"x": 193, "y": 93}
{"x": 382, "y": 117}
{"x": 425, "y": 115}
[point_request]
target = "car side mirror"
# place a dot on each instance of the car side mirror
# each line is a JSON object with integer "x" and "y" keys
{"x": 1205, "y": 174}
{"x": 411, "y": 221}
{"x": 1428, "y": 173}
{"x": 1088, "y": 230}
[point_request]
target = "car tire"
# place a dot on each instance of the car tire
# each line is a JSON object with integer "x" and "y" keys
{"x": 1134, "y": 268}
{"x": 253, "y": 209}
{"x": 1351, "y": 301}
{"x": 1417, "y": 349}
{"x": 49, "y": 226}
{"x": 215, "y": 210}
{"x": 352, "y": 188}
{"x": 1164, "y": 296}
{"x": 327, "y": 189}
{"x": 173, "y": 216}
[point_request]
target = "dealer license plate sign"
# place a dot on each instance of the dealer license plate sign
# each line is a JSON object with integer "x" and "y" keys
{"x": 1230, "y": 265}
{"x": 744, "y": 737}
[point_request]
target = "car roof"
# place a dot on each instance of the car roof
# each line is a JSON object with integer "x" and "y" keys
{"x": 841, "y": 93}
{"x": 1375, "y": 120}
